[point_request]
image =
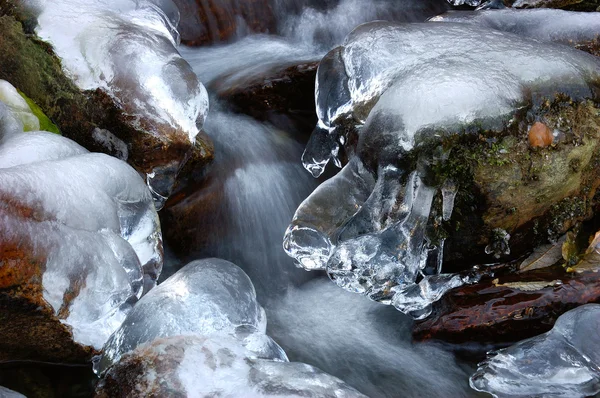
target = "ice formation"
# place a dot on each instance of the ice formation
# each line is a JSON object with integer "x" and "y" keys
{"x": 201, "y": 332}
{"x": 389, "y": 89}
{"x": 541, "y": 24}
{"x": 6, "y": 393}
{"x": 204, "y": 298}
{"x": 564, "y": 362}
{"x": 88, "y": 218}
{"x": 128, "y": 49}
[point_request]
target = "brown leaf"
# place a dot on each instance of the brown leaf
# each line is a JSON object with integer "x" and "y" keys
{"x": 544, "y": 256}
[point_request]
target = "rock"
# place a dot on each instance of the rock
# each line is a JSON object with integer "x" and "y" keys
{"x": 77, "y": 245}
{"x": 32, "y": 66}
{"x": 381, "y": 221}
{"x": 212, "y": 21}
{"x": 508, "y": 308}
{"x": 284, "y": 89}
{"x": 540, "y": 135}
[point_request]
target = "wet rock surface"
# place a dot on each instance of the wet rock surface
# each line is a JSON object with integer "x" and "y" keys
{"x": 213, "y": 21}
{"x": 285, "y": 89}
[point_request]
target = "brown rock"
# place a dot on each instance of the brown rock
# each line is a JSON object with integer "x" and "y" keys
{"x": 283, "y": 89}
{"x": 508, "y": 308}
{"x": 210, "y": 21}
{"x": 540, "y": 135}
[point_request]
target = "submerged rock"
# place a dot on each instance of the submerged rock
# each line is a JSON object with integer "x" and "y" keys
{"x": 563, "y": 362}
{"x": 416, "y": 107}
{"x": 202, "y": 333}
{"x": 155, "y": 108}
{"x": 79, "y": 239}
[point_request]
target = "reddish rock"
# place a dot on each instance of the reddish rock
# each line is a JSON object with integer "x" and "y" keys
{"x": 210, "y": 21}
{"x": 508, "y": 308}
{"x": 540, "y": 135}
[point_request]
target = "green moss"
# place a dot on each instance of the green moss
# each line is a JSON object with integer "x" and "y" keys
{"x": 45, "y": 123}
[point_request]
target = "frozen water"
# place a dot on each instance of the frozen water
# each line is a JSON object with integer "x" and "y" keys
{"x": 128, "y": 48}
{"x": 197, "y": 366}
{"x": 564, "y": 362}
{"x": 203, "y": 298}
{"x": 92, "y": 223}
{"x": 6, "y": 393}
{"x": 18, "y": 106}
{"x": 397, "y": 86}
{"x": 203, "y": 331}
{"x": 541, "y": 24}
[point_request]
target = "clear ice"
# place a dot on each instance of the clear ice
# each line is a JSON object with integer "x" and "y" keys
{"x": 205, "y": 297}
{"x": 93, "y": 223}
{"x": 6, "y": 393}
{"x": 564, "y": 362}
{"x": 541, "y": 24}
{"x": 207, "y": 312}
{"x": 396, "y": 86}
{"x": 128, "y": 48}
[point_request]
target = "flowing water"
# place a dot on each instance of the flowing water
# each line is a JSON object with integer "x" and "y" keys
{"x": 262, "y": 182}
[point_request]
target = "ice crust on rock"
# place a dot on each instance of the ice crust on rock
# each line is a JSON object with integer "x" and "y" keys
{"x": 541, "y": 24}
{"x": 128, "y": 48}
{"x": 202, "y": 332}
{"x": 564, "y": 362}
{"x": 92, "y": 222}
{"x": 195, "y": 366}
{"x": 389, "y": 88}
{"x": 205, "y": 297}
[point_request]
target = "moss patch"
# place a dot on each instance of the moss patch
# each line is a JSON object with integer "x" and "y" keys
{"x": 45, "y": 123}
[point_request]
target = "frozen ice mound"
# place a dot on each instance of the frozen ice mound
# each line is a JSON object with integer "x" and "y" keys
{"x": 203, "y": 298}
{"x": 388, "y": 92}
{"x": 128, "y": 48}
{"x": 563, "y": 362}
{"x": 541, "y": 24}
{"x": 202, "y": 331}
{"x": 89, "y": 220}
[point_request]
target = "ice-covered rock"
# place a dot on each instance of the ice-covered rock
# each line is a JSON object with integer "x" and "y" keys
{"x": 193, "y": 366}
{"x": 127, "y": 48}
{"x": 201, "y": 333}
{"x": 563, "y": 362}
{"x": 205, "y": 297}
{"x": 80, "y": 238}
{"x": 542, "y": 24}
{"x": 399, "y": 99}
